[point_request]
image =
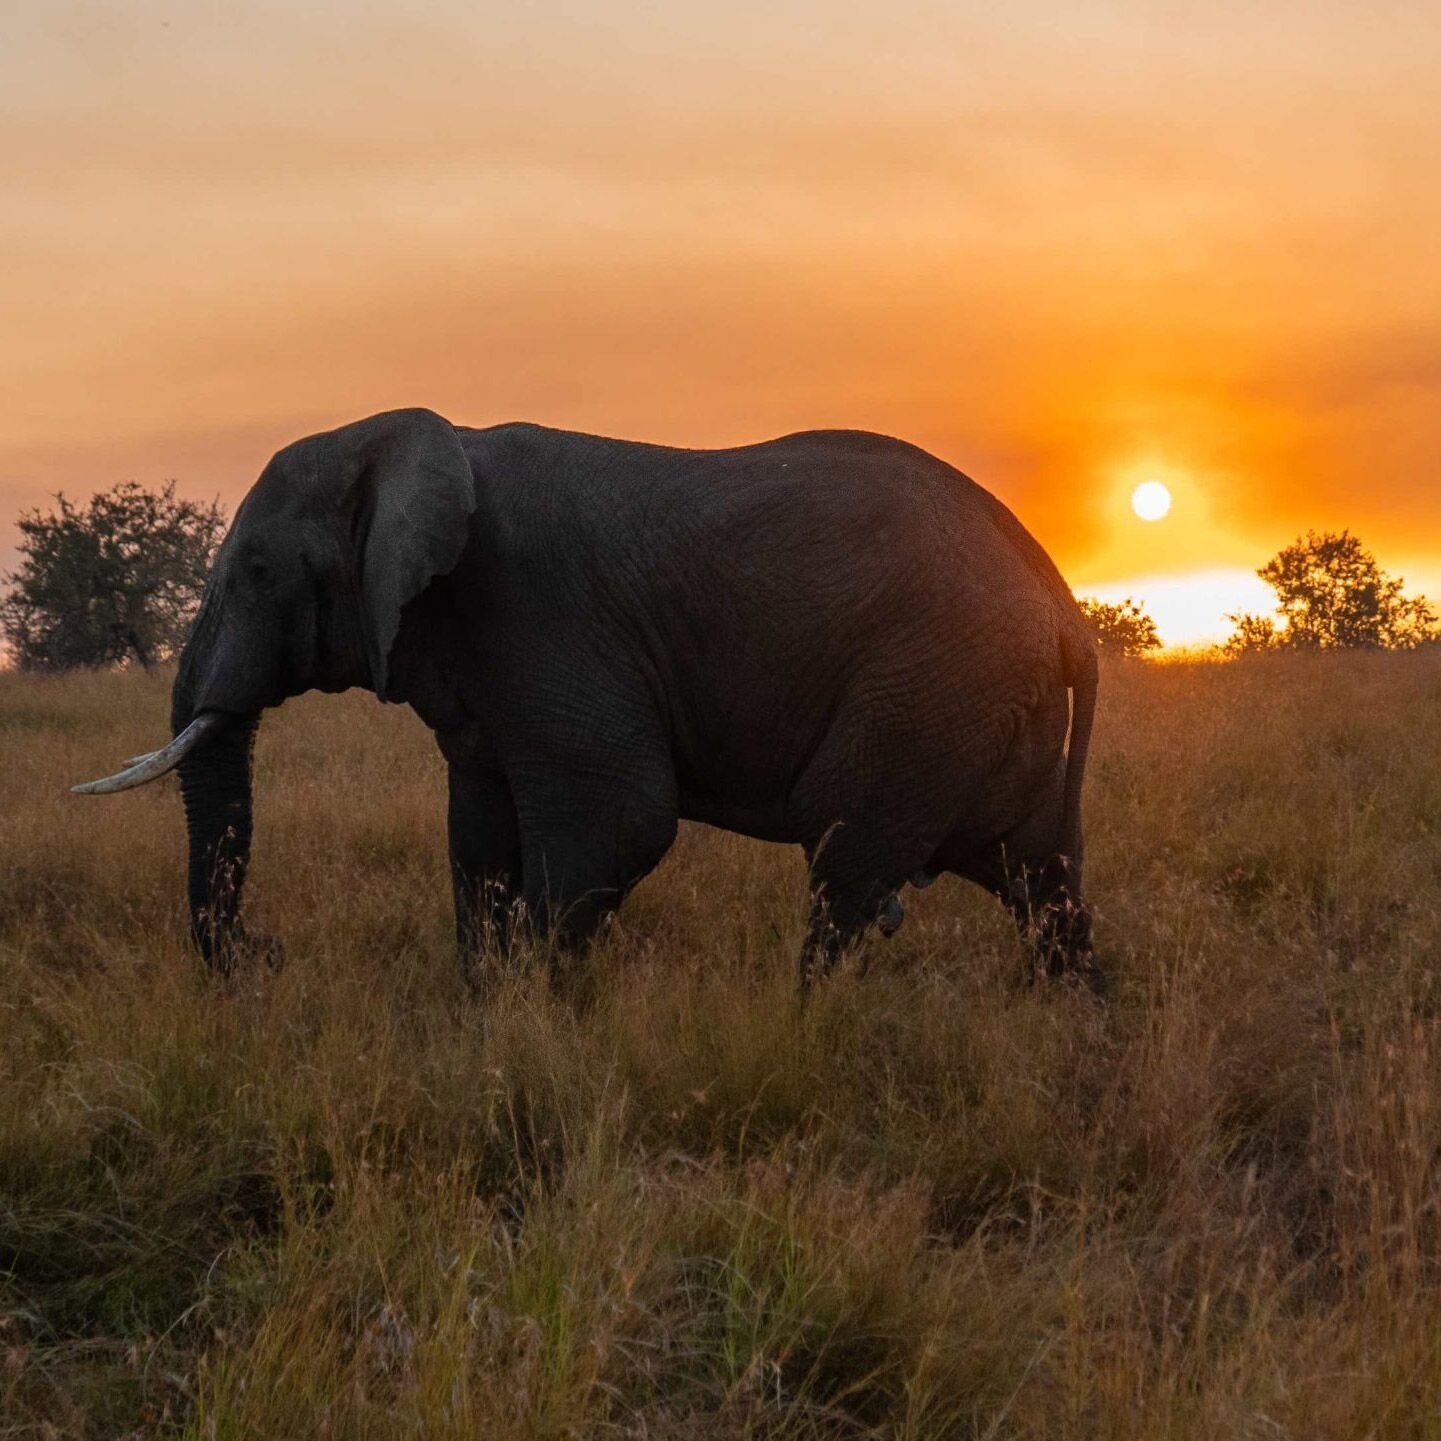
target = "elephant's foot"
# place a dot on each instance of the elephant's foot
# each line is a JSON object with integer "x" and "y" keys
{"x": 840, "y": 916}
{"x": 1061, "y": 934}
{"x": 239, "y": 948}
{"x": 891, "y": 917}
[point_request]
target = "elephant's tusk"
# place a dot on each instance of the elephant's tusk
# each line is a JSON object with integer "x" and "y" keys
{"x": 142, "y": 769}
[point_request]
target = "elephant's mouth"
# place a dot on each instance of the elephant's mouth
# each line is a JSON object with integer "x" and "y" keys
{"x": 141, "y": 770}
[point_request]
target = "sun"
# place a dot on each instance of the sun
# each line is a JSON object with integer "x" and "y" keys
{"x": 1151, "y": 500}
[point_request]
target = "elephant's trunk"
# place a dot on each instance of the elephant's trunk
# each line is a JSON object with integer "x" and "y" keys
{"x": 215, "y": 783}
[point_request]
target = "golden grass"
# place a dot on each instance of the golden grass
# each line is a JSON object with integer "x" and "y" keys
{"x": 349, "y": 1201}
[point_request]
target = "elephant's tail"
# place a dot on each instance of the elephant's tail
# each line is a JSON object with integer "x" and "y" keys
{"x": 1082, "y": 676}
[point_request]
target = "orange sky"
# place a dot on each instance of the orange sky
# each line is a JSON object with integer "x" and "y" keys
{"x": 1068, "y": 247}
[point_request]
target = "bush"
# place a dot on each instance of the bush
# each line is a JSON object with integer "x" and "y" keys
{"x": 1121, "y": 629}
{"x": 1332, "y": 595}
{"x": 117, "y": 580}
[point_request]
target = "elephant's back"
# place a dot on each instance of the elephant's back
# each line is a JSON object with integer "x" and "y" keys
{"x": 878, "y": 512}
{"x": 827, "y": 463}
{"x": 789, "y": 522}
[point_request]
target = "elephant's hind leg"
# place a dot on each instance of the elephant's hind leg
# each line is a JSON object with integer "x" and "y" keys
{"x": 1038, "y": 886}
{"x": 849, "y": 894}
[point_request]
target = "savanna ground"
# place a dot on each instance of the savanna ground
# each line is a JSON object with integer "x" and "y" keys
{"x": 349, "y": 1200}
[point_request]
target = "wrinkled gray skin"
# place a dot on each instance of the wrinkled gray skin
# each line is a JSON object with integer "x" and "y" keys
{"x": 832, "y": 639}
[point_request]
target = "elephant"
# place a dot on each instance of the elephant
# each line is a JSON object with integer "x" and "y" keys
{"x": 833, "y": 639}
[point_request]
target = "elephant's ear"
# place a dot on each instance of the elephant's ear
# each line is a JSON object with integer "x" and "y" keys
{"x": 414, "y": 494}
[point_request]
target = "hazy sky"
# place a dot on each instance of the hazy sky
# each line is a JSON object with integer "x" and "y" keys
{"x": 1067, "y": 247}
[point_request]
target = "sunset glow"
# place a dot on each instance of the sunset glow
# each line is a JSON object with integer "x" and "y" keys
{"x": 1072, "y": 251}
{"x": 1192, "y": 609}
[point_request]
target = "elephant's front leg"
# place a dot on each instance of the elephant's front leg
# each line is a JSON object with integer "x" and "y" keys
{"x": 485, "y": 862}
{"x": 587, "y": 839}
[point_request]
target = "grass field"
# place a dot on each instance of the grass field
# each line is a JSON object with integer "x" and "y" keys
{"x": 347, "y": 1200}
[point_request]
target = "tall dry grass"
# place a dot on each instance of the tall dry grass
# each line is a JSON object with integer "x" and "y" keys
{"x": 349, "y": 1201}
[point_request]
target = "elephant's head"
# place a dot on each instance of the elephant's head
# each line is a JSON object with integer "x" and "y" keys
{"x": 340, "y": 532}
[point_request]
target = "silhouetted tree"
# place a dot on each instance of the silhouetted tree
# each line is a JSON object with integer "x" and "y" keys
{"x": 1122, "y": 628}
{"x": 116, "y": 580}
{"x": 1253, "y": 633}
{"x": 1332, "y": 595}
